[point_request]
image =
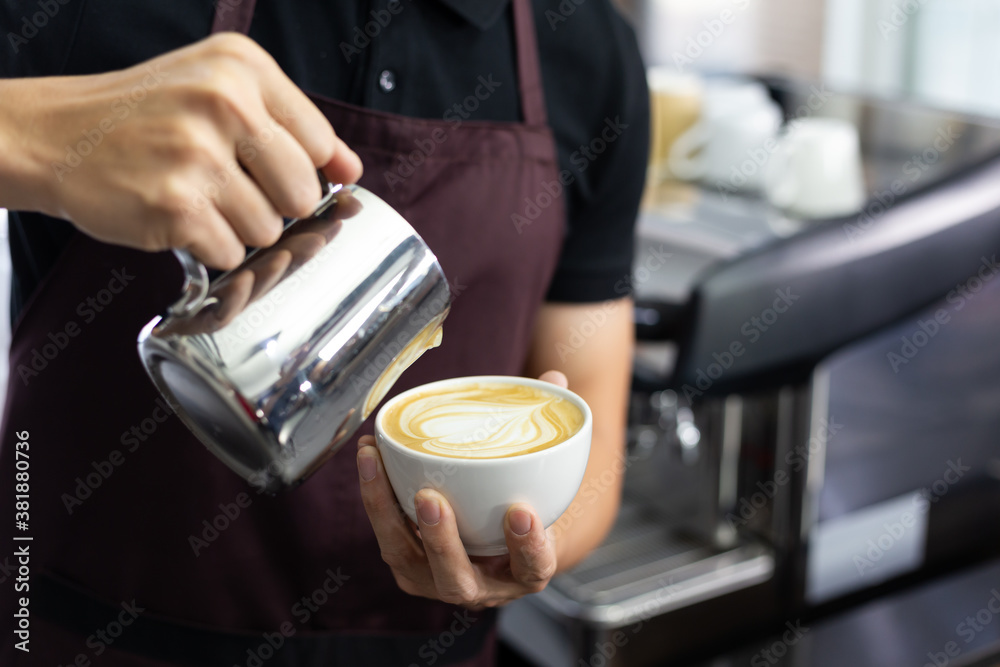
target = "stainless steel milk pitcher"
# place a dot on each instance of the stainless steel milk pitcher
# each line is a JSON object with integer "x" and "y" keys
{"x": 275, "y": 364}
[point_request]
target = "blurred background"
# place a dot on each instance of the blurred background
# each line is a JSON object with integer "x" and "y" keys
{"x": 941, "y": 52}
{"x": 813, "y": 470}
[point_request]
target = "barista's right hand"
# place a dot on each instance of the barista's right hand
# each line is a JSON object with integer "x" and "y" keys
{"x": 204, "y": 148}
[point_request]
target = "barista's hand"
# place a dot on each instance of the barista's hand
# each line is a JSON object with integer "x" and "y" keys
{"x": 432, "y": 562}
{"x": 204, "y": 148}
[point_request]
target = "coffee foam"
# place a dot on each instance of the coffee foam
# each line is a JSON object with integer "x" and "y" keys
{"x": 482, "y": 420}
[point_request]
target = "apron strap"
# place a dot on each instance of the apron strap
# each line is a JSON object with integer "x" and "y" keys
{"x": 236, "y": 15}
{"x": 529, "y": 72}
{"x": 233, "y": 16}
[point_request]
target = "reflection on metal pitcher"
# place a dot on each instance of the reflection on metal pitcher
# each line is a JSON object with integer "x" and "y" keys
{"x": 274, "y": 365}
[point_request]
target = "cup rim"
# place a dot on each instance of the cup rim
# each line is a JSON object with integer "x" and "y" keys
{"x": 503, "y": 379}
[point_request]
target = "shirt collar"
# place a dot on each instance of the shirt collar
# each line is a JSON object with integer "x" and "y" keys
{"x": 480, "y": 13}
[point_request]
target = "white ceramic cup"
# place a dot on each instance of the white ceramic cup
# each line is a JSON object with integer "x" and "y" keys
{"x": 816, "y": 171}
{"x": 480, "y": 491}
{"x": 738, "y": 119}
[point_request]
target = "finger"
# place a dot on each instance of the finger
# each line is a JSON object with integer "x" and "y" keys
{"x": 401, "y": 549}
{"x": 554, "y": 377}
{"x": 532, "y": 555}
{"x": 288, "y": 105}
{"x": 214, "y": 242}
{"x": 366, "y": 441}
{"x": 282, "y": 169}
{"x": 344, "y": 166}
{"x": 281, "y": 98}
{"x": 455, "y": 580}
{"x": 248, "y": 210}
{"x": 310, "y": 128}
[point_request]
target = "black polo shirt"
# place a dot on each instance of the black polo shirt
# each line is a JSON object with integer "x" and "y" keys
{"x": 411, "y": 57}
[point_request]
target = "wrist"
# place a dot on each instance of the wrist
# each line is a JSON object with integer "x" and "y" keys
{"x": 27, "y": 180}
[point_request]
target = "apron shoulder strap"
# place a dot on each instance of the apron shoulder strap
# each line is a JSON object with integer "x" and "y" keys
{"x": 236, "y": 15}
{"x": 529, "y": 72}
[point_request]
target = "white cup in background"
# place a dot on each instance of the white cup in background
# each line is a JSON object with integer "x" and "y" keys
{"x": 675, "y": 105}
{"x": 738, "y": 117}
{"x": 816, "y": 171}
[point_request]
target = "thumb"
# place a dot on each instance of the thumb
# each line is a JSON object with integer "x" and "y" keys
{"x": 554, "y": 377}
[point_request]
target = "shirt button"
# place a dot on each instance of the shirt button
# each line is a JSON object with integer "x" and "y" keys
{"x": 387, "y": 81}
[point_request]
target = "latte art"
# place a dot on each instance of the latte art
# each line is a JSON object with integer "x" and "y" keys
{"x": 482, "y": 420}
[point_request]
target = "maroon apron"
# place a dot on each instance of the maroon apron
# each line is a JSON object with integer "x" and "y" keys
{"x": 134, "y": 522}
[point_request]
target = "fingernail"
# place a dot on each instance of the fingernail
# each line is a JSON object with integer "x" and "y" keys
{"x": 520, "y": 522}
{"x": 429, "y": 511}
{"x": 367, "y": 466}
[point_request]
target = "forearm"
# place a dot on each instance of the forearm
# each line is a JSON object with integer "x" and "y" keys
{"x": 23, "y": 166}
{"x": 598, "y": 368}
{"x": 585, "y": 524}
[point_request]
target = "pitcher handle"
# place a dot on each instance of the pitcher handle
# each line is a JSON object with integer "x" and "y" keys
{"x": 194, "y": 291}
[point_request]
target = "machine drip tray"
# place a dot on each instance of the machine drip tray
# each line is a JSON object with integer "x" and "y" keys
{"x": 646, "y": 568}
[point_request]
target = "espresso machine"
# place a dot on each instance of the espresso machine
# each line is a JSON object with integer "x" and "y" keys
{"x": 815, "y": 422}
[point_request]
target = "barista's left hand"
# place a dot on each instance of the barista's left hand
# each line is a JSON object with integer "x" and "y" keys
{"x": 433, "y": 563}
